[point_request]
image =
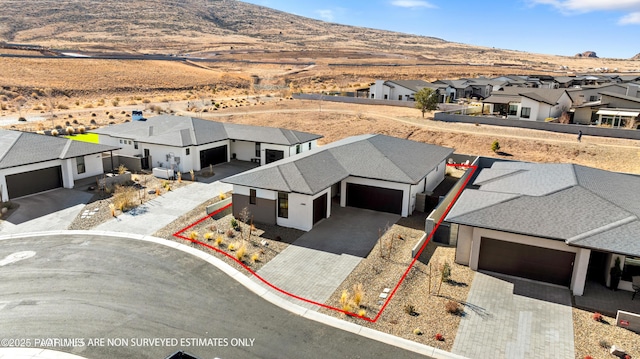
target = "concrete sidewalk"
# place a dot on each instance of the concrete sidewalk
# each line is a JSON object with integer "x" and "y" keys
{"x": 317, "y": 263}
{"x": 159, "y": 212}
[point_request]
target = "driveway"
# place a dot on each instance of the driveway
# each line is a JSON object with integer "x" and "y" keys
{"x": 52, "y": 210}
{"x": 514, "y": 318}
{"x": 148, "y": 300}
{"x": 315, "y": 265}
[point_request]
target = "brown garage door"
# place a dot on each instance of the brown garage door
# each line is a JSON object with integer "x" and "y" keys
{"x": 26, "y": 183}
{"x": 375, "y": 198}
{"x": 521, "y": 260}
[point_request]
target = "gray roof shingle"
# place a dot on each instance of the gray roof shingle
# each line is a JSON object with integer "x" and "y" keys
{"x": 180, "y": 131}
{"x": 22, "y": 148}
{"x": 579, "y": 205}
{"x": 367, "y": 156}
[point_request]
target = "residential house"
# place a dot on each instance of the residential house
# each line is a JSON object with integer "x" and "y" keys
{"x": 587, "y": 93}
{"x": 375, "y": 172}
{"x": 532, "y": 104}
{"x": 32, "y": 163}
{"x": 399, "y": 90}
{"x": 188, "y": 143}
{"x": 558, "y": 223}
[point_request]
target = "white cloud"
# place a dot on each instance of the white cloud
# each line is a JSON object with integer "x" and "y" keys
{"x": 325, "y": 14}
{"x": 412, "y": 3}
{"x": 630, "y": 19}
{"x": 570, "y": 7}
{"x": 590, "y": 5}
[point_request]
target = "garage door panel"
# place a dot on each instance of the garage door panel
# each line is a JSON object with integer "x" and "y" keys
{"x": 26, "y": 183}
{"x": 526, "y": 261}
{"x": 213, "y": 156}
{"x": 374, "y": 198}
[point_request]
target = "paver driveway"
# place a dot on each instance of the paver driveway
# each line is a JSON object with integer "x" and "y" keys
{"x": 513, "y": 318}
{"x": 313, "y": 266}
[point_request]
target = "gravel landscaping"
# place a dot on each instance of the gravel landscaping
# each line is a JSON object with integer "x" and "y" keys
{"x": 97, "y": 211}
{"x": 593, "y": 338}
{"x": 412, "y": 313}
{"x": 266, "y": 241}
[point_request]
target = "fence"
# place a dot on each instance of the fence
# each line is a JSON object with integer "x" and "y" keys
{"x": 133, "y": 164}
{"x": 437, "y": 215}
{"x": 354, "y": 100}
{"x": 545, "y": 126}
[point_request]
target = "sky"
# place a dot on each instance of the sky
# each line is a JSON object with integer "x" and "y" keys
{"x": 611, "y": 28}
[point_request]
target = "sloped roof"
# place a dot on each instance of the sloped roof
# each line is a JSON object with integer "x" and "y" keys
{"x": 582, "y": 206}
{"x": 622, "y": 97}
{"x": 368, "y": 156}
{"x": 23, "y": 148}
{"x": 413, "y": 85}
{"x": 181, "y": 131}
{"x": 549, "y": 96}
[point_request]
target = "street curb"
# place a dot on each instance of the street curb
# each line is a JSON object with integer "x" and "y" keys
{"x": 261, "y": 290}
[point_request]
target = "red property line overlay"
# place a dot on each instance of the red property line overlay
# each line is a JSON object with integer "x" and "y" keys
{"x": 395, "y": 289}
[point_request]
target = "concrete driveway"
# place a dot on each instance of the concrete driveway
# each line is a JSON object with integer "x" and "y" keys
{"x": 313, "y": 266}
{"x": 513, "y": 318}
{"x": 87, "y": 286}
{"x": 52, "y": 210}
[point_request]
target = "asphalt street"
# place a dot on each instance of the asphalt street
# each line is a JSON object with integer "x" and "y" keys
{"x": 106, "y": 297}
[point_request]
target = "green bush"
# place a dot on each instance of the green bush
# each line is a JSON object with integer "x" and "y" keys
{"x": 495, "y": 146}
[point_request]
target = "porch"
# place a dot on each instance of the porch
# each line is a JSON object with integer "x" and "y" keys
{"x": 598, "y": 298}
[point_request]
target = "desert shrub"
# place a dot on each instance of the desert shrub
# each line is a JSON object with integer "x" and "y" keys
{"x": 439, "y": 337}
{"x": 54, "y": 133}
{"x": 193, "y": 235}
{"x": 122, "y": 169}
{"x": 358, "y": 294}
{"x": 410, "y": 309}
{"x": 241, "y": 252}
{"x": 495, "y": 146}
{"x": 604, "y": 344}
{"x": 75, "y": 122}
{"x": 81, "y": 129}
{"x": 92, "y": 122}
{"x": 63, "y": 107}
{"x": 70, "y": 130}
{"x": 115, "y": 102}
{"x": 234, "y": 223}
{"x": 124, "y": 198}
{"x": 232, "y": 246}
{"x": 88, "y": 105}
{"x": 219, "y": 241}
{"x": 37, "y": 108}
{"x": 255, "y": 257}
{"x": 230, "y": 233}
{"x": 452, "y": 307}
{"x": 417, "y": 331}
{"x": 111, "y": 117}
{"x": 146, "y": 100}
{"x": 597, "y": 317}
{"x": 208, "y": 236}
{"x": 21, "y": 119}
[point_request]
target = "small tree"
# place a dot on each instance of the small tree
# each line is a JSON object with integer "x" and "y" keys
{"x": 426, "y": 100}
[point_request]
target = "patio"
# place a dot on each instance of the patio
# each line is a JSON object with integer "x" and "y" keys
{"x": 598, "y": 298}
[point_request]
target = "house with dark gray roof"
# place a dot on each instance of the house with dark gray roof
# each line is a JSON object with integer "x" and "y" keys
{"x": 189, "y": 143}
{"x": 376, "y": 172}
{"x": 557, "y": 223}
{"x": 399, "y": 90}
{"x": 32, "y": 163}
{"x": 532, "y": 104}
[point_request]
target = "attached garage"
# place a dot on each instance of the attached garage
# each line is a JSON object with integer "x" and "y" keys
{"x": 26, "y": 183}
{"x": 374, "y": 198}
{"x": 213, "y": 156}
{"x": 526, "y": 261}
{"x": 319, "y": 208}
{"x": 273, "y": 155}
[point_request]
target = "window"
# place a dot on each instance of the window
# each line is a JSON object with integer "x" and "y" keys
{"x": 593, "y": 98}
{"x": 386, "y": 97}
{"x": 135, "y": 145}
{"x": 283, "y": 205}
{"x": 631, "y": 268}
{"x": 252, "y": 196}
{"x": 120, "y": 141}
{"x": 80, "y": 165}
{"x": 188, "y": 151}
{"x": 309, "y": 145}
{"x": 298, "y": 148}
{"x": 399, "y": 97}
{"x": 513, "y": 110}
{"x": 257, "y": 149}
{"x": 526, "y": 112}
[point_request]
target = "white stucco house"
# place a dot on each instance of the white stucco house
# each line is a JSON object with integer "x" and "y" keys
{"x": 188, "y": 143}
{"x": 531, "y": 104}
{"x": 32, "y": 163}
{"x": 375, "y": 172}
{"x": 558, "y": 223}
{"x": 399, "y": 90}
